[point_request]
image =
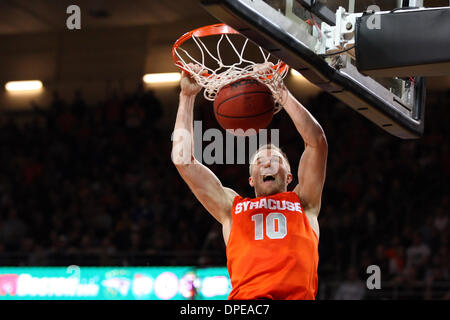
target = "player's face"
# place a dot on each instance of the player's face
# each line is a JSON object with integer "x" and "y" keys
{"x": 269, "y": 174}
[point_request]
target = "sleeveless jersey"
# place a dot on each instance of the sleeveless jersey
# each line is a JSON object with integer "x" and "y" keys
{"x": 272, "y": 251}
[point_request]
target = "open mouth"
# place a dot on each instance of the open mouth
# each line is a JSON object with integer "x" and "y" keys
{"x": 268, "y": 178}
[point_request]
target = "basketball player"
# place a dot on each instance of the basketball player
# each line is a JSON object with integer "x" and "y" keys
{"x": 271, "y": 240}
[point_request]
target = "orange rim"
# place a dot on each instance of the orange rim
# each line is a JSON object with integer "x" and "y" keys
{"x": 211, "y": 30}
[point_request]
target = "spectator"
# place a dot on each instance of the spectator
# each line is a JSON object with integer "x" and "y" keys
{"x": 396, "y": 257}
{"x": 13, "y": 230}
{"x": 352, "y": 288}
{"x": 441, "y": 219}
{"x": 417, "y": 255}
{"x": 410, "y": 285}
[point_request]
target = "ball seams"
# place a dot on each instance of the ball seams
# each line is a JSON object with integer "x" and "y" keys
{"x": 217, "y": 111}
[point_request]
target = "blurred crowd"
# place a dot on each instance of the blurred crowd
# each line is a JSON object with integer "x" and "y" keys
{"x": 95, "y": 185}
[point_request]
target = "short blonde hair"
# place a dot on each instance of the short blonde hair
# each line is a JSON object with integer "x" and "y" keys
{"x": 269, "y": 146}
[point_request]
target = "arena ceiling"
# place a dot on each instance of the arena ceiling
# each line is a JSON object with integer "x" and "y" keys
{"x": 40, "y": 16}
{"x": 24, "y": 16}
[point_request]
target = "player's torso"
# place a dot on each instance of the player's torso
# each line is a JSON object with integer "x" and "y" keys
{"x": 272, "y": 251}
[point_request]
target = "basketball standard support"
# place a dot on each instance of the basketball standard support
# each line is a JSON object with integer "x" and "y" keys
{"x": 351, "y": 6}
{"x": 284, "y": 39}
{"x": 413, "y": 3}
{"x": 320, "y": 10}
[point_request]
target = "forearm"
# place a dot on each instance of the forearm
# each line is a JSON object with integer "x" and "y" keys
{"x": 183, "y": 135}
{"x": 185, "y": 114}
{"x": 206, "y": 187}
{"x": 308, "y": 127}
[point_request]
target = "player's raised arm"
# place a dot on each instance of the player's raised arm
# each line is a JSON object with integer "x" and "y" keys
{"x": 217, "y": 199}
{"x": 312, "y": 167}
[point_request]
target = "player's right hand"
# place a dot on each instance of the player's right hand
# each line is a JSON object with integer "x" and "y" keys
{"x": 188, "y": 85}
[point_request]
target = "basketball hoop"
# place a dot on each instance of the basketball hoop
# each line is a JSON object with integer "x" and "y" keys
{"x": 216, "y": 72}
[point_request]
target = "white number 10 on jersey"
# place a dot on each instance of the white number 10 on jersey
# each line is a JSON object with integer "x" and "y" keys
{"x": 271, "y": 220}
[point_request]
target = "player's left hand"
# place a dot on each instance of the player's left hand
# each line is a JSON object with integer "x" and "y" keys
{"x": 188, "y": 85}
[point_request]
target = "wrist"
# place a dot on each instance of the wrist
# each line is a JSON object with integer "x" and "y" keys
{"x": 187, "y": 94}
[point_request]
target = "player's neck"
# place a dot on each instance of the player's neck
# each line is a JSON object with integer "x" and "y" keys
{"x": 259, "y": 195}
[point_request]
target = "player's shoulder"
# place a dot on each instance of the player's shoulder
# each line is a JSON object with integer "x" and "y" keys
{"x": 230, "y": 192}
{"x": 231, "y": 195}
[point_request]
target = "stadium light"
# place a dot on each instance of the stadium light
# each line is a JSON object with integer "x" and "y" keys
{"x": 18, "y": 86}
{"x": 160, "y": 78}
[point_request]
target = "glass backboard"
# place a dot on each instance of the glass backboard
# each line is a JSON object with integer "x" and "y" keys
{"x": 288, "y": 29}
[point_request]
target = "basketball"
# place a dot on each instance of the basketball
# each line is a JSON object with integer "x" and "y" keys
{"x": 244, "y": 104}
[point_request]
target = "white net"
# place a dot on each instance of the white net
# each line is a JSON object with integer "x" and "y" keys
{"x": 217, "y": 73}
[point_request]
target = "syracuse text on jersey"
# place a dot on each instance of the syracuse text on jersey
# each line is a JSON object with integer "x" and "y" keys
{"x": 270, "y": 204}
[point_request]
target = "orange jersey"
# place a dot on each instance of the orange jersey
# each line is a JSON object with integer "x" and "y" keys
{"x": 272, "y": 251}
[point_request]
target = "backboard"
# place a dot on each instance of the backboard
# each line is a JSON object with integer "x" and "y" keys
{"x": 289, "y": 30}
